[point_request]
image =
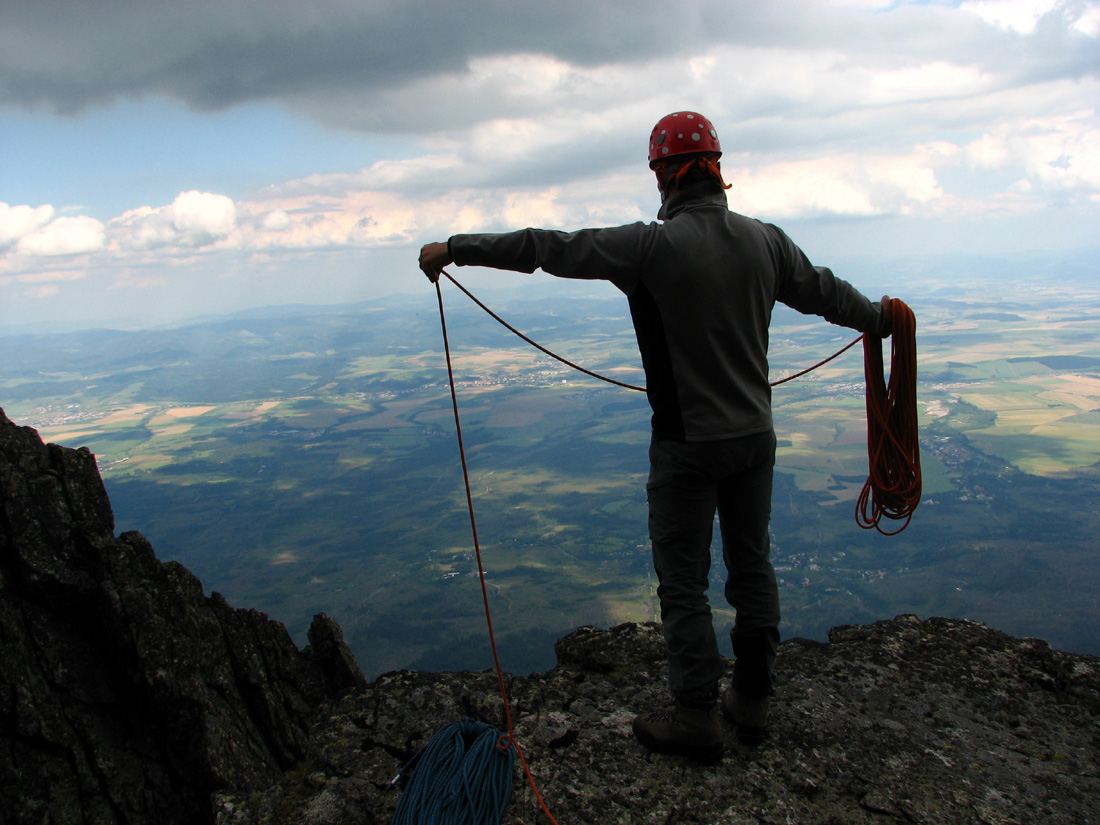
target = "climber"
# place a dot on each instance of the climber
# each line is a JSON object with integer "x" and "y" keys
{"x": 701, "y": 285}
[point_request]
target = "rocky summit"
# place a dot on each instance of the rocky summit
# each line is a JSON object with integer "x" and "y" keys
{"x": 938, "y": 721}
{"x": 128, "y": 696}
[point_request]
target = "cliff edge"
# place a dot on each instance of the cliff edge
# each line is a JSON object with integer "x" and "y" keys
{"x": 127, "y": 696}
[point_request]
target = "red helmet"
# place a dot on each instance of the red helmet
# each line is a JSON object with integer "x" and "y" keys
{"x": 682, "y": 133}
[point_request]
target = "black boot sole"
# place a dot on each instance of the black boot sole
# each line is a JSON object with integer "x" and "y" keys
{"x": 750, "y": 736}
{"x": 706, "y": 755}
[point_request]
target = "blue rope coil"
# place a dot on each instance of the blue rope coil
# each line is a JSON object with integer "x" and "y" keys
{"x": 463, "y": 776}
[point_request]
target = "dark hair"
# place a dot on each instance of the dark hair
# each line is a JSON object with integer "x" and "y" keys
{"x": 678, "y": 175}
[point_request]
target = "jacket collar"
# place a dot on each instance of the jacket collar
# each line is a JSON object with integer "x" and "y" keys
{"x": 703, "y": 193}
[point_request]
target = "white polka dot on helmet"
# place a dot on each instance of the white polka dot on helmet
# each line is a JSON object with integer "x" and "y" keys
{"x": 682, "y": 133}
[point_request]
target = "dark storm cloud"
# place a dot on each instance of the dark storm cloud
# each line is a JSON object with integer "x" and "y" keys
{"x": 68, "y": 55}
{"x": 537, "y": 92}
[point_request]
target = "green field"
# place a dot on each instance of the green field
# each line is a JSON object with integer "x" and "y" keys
{"x": 307, "y": 462}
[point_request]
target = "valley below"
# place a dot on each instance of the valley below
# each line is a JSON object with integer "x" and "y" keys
{"x": 304, "y": 461}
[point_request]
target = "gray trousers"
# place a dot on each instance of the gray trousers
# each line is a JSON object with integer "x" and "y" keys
{"x": 688, "y": 483}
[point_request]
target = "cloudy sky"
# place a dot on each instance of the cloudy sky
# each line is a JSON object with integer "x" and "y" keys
{"x": 163, "y": 160}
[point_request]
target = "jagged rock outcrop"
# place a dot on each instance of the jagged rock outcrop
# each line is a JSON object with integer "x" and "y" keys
{"x": 126, "y": 695}
{"x": 938, "y": 721}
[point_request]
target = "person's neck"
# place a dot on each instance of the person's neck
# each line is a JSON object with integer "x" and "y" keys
{"x": 702, "y": 190}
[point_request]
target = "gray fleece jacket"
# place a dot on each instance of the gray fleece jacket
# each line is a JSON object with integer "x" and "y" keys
{"x": 701, "y": 286}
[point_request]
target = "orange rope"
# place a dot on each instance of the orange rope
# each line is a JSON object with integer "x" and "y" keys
{"x": 890, "y": 412}
{"x": 821, "y": 363}
{"x": 893, "y": 487}
{"x": 579, "y": 368}
{"x": 536, "y": 345}
{"x": 511, "y": 738}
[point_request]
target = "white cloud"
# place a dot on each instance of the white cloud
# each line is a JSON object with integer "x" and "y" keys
{"x": 17, "y": 221}
{"x": 143, "y": 228}
{"x": 1059, "y": 154}
{"x": 202, "y": 217}
{"x": 844, "y": 185}
{"x": 936, "y": 80}
{"x": 307, "y": 215}
{"x": 64, "y": 236}
{"x": 1089, "y": 21}
{"x": 845, "y": 108}
{"x": 192, "y": 221}
{"x": 1021, "y": 16}
{"x": 989, "y": 152}
{"x": 1024, "y": 16}
{"x": 277, "y": 220}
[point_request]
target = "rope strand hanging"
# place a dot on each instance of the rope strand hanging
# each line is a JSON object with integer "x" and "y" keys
{"x": 510, "y": 739}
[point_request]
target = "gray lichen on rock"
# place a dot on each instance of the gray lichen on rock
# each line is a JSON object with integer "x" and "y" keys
{"x": 938, "y": 721}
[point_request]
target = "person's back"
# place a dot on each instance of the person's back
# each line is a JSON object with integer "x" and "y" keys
{"x": 702, "y": 299}
{"x": 701, "y": 285}
{"x": 701, "y": 308}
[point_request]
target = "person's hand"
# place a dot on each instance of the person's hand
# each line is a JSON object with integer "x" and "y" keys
{"x": 885, "y": 301}
{"x": 433, "y": 257}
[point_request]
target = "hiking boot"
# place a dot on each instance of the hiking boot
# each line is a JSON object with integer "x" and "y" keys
{"x": 687, "y": 731}
{"x": 749, "y": 715}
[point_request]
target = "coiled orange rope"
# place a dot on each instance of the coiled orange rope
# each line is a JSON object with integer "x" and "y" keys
{"x": 893, "y": 486}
